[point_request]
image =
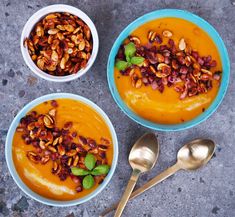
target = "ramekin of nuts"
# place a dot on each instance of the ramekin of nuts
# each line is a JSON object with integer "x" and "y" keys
{"x": 59, "y": 43}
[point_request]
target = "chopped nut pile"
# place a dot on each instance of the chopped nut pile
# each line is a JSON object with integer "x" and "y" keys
{"x": 82, "y": 159}
{"x": 60, "y": 44}
{"x": 173, "y": 64}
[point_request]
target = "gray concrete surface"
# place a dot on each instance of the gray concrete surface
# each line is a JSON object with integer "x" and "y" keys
{"x": 209, "y": 192}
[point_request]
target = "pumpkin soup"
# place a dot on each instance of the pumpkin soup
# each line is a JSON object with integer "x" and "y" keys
{"x": 62, "y": 149}
{"x": 168, "y": 71}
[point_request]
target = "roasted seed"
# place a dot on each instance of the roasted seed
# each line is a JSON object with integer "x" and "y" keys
{"x": 52, "y": 149}
{"x": 182, "y": 44}
{"x": 105, "y": 141}
{"x": 103, "y": 147}
{"x": 68, "y": 125}
{"x": 206, "y": 71}
{"x": 160, "y": 58}
{"x": 75, "y": 161}
{"x": 87, "y": 32}
{"x": 50, "y": 16}
{"x": 81, "y": 45}
{"x": 69, "y": 28}
{"x": 152, "y": 35}
{"x": 31, "y": 126}
{"x": 48, "y": 121}
{"x": 42, "y": 144}
{"x": 61, "y": 150}
{"x": 52, "y": 112}
{"x": 71, "y": 153}
{"x": 54, "y": 56}
{"x": 32, "y": 156}
{"x": 60, "y": 27}
{"x": 40, "y": 64}
{"x": 167, "y": 33}
{"x": 55, "y": 165}
{"x": 55, "y": 142}
{"x": 31, "y": 153}
{"x": 45, "y": 159}
{"x": 153, "y": 69}
{"x": 58, "y": 169}
{"x": 53, "y": 31}
{"x": 69, "y": 161}
{"x": 94, "y": 151}
{"x": 135, "y": 40}
{"x": 138, "y": 83}
{"x": 39, "y": 31}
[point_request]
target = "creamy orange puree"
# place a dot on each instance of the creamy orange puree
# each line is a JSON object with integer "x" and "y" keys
{"x": 166, "y": 107}
{"x": 86, "y": 122}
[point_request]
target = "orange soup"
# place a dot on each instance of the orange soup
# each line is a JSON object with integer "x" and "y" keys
{"x": 165, "y": 106}
{"x": 82, "y": 130}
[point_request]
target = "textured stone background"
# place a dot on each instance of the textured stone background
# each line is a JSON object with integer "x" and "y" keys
{"x": 207, "y": 192}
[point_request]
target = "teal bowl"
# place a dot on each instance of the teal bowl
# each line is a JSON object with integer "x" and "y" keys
{"x": 12, "y": 169}
{"x": 203, "y": 25}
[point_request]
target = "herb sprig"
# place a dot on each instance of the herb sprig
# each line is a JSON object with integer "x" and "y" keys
{"x": 90, "y": 161}
{"x": 131, "y": 59}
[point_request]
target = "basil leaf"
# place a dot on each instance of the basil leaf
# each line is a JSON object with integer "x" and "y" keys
{"x": 137, "y": 60}
{"x": 79, "y": 171}
{"x": 121, "y": 65}
{"x": 88, "y": 182}
{"x": 100, "y": 170}
{"x": 128, "y": 59}
{"x": 90, "y": 161}
{"x": 130, "y": 50}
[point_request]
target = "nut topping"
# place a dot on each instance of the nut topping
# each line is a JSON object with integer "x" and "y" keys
{"x": 61, "y": 146}
{"x": 152, "y": 35}
{"x": 48, "y": 121}
{"x": 55, "y": 42}
{"x": 182, "y": 44}
{"x": 138, "y": 83}
{"x": 167, "y": 33}
{"x": 135, "y": 40}
{"x": 168, "y": 65}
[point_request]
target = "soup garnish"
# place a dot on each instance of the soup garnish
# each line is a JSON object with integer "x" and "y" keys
{"x": 74, "y": 156}
{"x": 174, "y": 64}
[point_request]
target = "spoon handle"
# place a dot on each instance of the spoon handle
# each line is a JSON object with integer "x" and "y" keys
{"x": 127, "y": 193}
{"x": 157, "y": 179}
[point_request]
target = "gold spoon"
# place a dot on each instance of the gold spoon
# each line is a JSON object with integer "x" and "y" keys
{"x": 142, "y": 158}
{"x": 191, "y": 156}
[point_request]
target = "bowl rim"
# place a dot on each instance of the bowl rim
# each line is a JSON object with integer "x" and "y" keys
{"x": 10, "y": 163}
{"x": 209, "y": 29}
{"x": 38, "y": 15}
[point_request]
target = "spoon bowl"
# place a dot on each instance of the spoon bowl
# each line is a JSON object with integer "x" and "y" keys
{"x": 195, "y": 154}
{"x": 144, "y": 153}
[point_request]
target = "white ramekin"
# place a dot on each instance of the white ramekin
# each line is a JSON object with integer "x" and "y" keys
{"x": 38, "y": 16}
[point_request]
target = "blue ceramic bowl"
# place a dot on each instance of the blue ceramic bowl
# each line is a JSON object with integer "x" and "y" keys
{"x": 186, "y": 16}
{"x": 12, "y": 169}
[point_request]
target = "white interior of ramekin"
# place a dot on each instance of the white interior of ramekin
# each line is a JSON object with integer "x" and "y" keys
{"x": 38, "y": 16}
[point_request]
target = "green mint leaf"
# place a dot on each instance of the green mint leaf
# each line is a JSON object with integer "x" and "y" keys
{"x": 128, "y": 59}
{"x": 100, "y": 170}
{"x": 88, "y": 182}
{"x": 121, "y": 65}
{"x": 137, "y": 60}
{"x": 130, "y": 50}
{"x": 90, "y": 161}
{"x": 79, "y": 171}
